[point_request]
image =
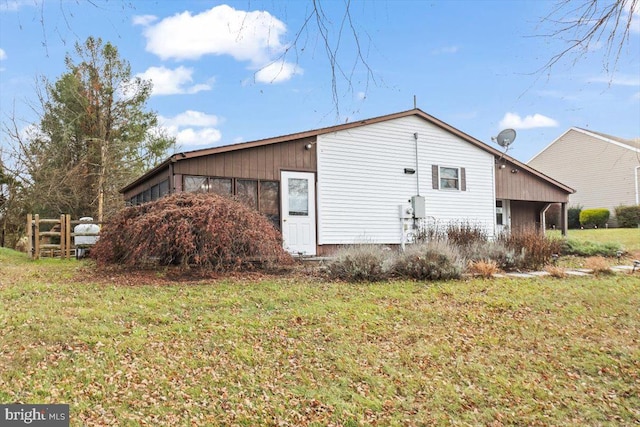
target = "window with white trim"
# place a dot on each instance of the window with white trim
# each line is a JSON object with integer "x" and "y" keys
{"x": 449, "y": 178}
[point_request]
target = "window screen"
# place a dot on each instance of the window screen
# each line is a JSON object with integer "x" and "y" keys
{"x": 247, "y": 192}
{"x": 269, "y": 201}
{"x": 163, "y": 188}
{"x": 220, "y": 186}
{"x": 194, "y": 183}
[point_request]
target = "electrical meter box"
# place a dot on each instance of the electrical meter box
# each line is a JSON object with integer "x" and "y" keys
{"x": 419, "y": 210}
{"x": 406, "y": 211}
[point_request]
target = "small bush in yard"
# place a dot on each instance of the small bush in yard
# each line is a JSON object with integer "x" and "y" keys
{"x": 191, "y": 229}
{"x": 598, "y": 265}
{"x": 586, "y": 248}
{"x": 628, "y": 216}
{"x": 436, "y": 260}
{"x": 594, "y": 217}
{"x": 483, "y": 268}
{"x": 361, "y": 263}
{"x": 535, "y": 249}
{"x": 556, "y": 271}
{"x": 465, "y": 233}
{"x": 573, "y": 216}
{"x": 505, "y": 258}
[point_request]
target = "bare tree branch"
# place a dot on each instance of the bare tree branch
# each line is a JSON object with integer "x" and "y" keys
{"x": 333, "y": 39}
{"x": 584, "y": 24}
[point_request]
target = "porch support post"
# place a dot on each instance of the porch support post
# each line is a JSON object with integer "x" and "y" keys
{"x": 564, "y": 219}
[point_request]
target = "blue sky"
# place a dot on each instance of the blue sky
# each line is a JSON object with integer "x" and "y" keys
{"x": 472, "y": 64}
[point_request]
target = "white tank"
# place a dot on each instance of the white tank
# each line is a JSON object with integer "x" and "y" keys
{"x": 86, "y": 228}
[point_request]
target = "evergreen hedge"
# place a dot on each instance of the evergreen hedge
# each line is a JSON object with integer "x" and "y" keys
{"x": 594, "y": 217}
{"x": 628, "y": 216}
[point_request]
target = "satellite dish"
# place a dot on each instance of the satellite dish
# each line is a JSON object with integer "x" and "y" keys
{"x": 505, "y": 138}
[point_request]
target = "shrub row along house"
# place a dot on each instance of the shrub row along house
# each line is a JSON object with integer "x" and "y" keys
{"x": 604, "y": 169}
{"x": 365, "y": 182}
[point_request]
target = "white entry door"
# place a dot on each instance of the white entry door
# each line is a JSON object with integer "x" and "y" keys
{"x": 299, "y": 212}
{"x": 503, "y": 216}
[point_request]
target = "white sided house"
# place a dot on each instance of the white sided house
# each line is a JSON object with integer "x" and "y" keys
{"x": 604, "y": 169}
{"x": 369, "y": 182}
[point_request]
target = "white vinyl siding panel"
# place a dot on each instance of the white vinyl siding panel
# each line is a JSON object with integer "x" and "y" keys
{"x": 601, "y": 172}
{"x": 361, "y": 180}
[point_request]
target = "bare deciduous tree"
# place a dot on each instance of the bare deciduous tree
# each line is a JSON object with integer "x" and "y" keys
{"x": 586, "y": 26}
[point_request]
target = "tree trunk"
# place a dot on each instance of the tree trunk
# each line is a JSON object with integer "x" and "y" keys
{"x": 102, "y": 177}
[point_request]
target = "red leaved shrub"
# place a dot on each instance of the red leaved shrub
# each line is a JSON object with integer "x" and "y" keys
{"x": 191, "y": 229}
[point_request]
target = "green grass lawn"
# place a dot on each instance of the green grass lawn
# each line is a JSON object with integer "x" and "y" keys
{"x": 285, "y": 351}
{"x": 629, "y": 238}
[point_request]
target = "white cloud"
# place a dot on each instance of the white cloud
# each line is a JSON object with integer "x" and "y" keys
{"x": 192, "y": 118}
{"x": 221, "y": 30}
{"x": 277, "y": 72}
{"x": 144, "y": 20}
{"x": 556, "y": 94}
{"x": 3, "y": 54}
{"x": 361, "y": 96}
{"x": 618, "y": 80}
{"x": 192, "y": 128}
{"x": 32, "y": 132}
{"x": 513, "y": 120}
{"x": 254, "y": 37}
{"x": 190, "y": 136}
{"x": 445, "y": 50}
{"x": 636, "y": 96}
{"x": 170, "y": 82}
{"x": 15, "y": 5}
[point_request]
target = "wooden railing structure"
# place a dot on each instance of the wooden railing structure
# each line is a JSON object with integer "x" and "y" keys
{"x": 39, "y": 242}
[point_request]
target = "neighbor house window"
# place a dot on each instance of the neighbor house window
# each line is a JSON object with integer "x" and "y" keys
{"x": 449, "y": 178}
{"x": 499, "y": 213}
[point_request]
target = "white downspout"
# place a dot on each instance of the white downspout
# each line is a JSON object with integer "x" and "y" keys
{"x": 415, "y": 136}
{"x": 543, "y": 220}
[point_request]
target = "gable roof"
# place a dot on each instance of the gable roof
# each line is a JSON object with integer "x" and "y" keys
{"x": 315, "y": 132}
{"x": 628, "y": 144}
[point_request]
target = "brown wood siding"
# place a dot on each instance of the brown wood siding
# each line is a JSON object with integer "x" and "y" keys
{"x": 523, "y": 185}
{"x": 162, "y": 175}
{"x": 525, "y": 215}
{"x": 261, "y": 162}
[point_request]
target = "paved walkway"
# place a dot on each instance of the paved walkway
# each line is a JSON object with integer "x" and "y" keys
{"x": 570, "y": 272}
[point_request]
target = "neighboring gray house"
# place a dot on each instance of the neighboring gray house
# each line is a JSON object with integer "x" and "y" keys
{"x": 603, "y": 169}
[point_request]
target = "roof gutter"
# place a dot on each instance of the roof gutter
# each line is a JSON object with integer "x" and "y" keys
{"x": 149, "y": 173}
